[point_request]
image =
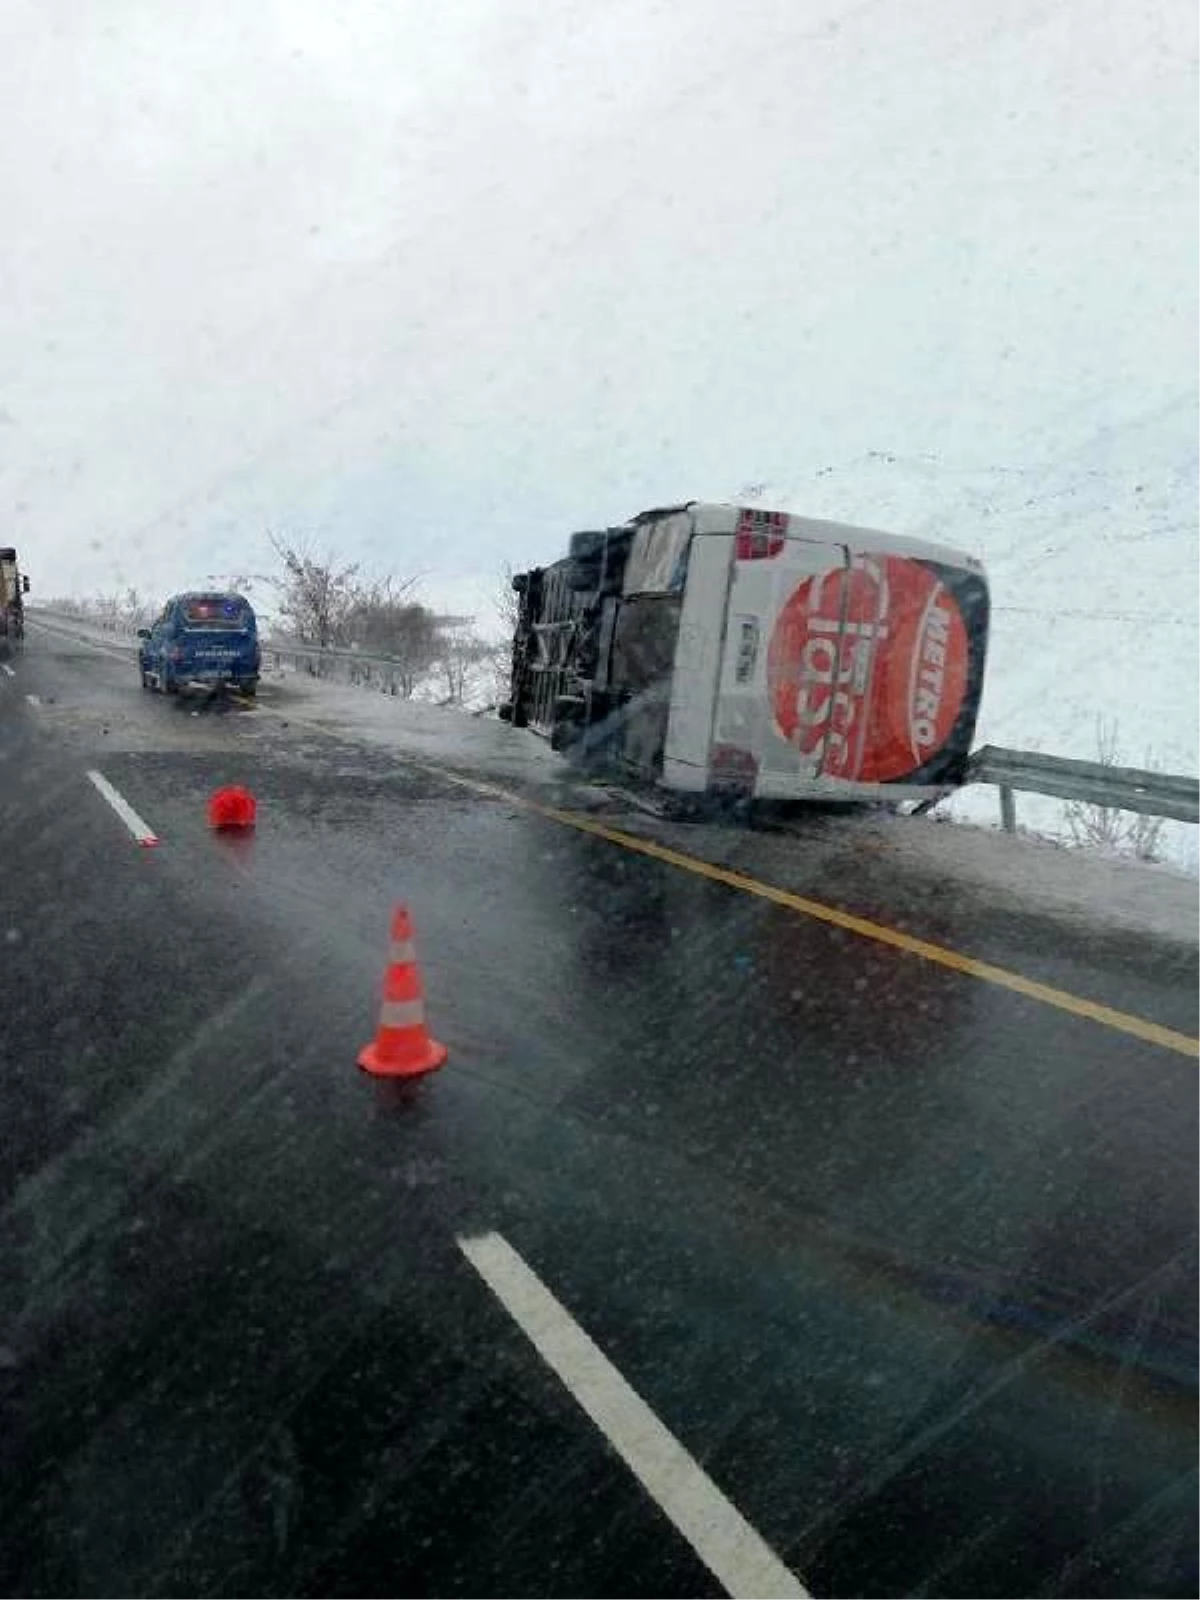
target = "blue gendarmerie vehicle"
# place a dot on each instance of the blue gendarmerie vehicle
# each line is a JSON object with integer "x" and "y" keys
{"x": 203, "y": 641}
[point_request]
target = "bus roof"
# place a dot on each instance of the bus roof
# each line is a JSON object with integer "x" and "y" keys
{"x": 716, "y": 516}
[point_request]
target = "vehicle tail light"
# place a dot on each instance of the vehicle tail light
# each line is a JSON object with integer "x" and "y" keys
{"x": 758, "y": 546}
{"x": 731, "y": 770}
{"x": 760, "y": 535}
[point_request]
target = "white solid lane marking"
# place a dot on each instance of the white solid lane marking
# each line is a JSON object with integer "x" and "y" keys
{"x": 8, "y": 669}
{"x": 737, "y": 1556}
{"x": 140, "y": 830}
{"x": 34, "y": 699}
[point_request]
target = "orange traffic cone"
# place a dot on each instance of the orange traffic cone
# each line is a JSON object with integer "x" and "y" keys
{"x": 233, "y": 807}
{"x": 402, "y": 1047}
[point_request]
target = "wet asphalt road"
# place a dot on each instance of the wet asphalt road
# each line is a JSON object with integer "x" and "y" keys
{"x": 905, "y": 1261}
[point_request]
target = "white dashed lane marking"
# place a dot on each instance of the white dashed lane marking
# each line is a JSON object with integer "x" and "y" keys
{"x": 736, "y": 1555}
{"x": 140, "y": 830}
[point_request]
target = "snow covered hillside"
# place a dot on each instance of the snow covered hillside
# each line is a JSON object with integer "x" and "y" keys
{"x": 1092, "y": 556}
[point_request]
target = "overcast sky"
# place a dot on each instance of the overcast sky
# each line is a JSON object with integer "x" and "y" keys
{"x": 437, "y": 281}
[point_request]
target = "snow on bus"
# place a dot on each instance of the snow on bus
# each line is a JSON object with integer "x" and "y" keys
{"x": 715, "y": 649}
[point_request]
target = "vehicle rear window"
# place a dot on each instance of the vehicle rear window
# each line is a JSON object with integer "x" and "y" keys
{"x": 216, "y": 611}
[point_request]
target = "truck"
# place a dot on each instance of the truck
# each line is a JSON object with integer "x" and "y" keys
{"x": 744, "y": 654}
{"x": 13, "y": 589}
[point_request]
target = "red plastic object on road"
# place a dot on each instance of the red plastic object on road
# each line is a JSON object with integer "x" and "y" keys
{"x": 232, "y": 807}
{"x": 402, "y": 1047}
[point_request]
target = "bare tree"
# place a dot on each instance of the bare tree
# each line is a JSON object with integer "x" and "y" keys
{"x": 137, "y": 613}
{"x": 110, "y": 611}
{"x": 508, "y": 605}
{"x": 316, "y": 592}
{"x": 383, "y": 613}
{"x": 1126, "y": 831}
{"x": 70, "y": 605}
{"x": 384, "y": 620}
{"x": 508, "y": 602}
{"x": 114, "y": 612}
{"x": 461, "y": 652}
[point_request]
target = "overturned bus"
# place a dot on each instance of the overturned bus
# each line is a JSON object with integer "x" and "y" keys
{"x": 735, "y": 651}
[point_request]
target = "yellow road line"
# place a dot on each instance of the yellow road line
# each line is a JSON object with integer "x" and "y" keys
{"x": 1091, "y": 1010}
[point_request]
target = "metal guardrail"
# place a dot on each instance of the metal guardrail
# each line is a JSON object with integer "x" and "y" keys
{"x": 331, "y": 664}
{"x": 385, "y": 673}
{"x": 114, "y": 628}
{"x": 1153, "y": 794}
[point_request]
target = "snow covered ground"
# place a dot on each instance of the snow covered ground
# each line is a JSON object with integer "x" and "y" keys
{"x": 442, "y": 733}
{"x": 1092, "y": 556}
{"x": 1085, "y": 888}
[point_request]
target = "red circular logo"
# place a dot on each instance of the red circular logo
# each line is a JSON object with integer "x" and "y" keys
{"x": 867, "y": 666}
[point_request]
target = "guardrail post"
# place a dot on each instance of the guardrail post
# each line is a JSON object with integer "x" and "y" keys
{"x": 1008, "y": 809}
